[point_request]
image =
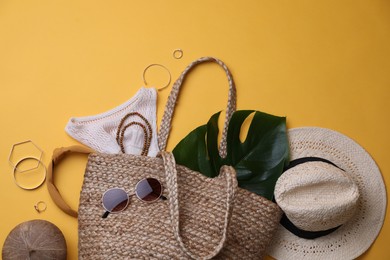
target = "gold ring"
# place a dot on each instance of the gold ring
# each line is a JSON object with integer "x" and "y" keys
{"x": 159, "y": 65}
{"x": 40, "y": 206}
{"x": 178, "y": 53}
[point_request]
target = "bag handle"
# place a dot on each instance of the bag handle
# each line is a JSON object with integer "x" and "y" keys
{"x": 165, "y": 126}
{"x": 58, "y": 155}
{"x": 226, "y": 172}
{"x": 163, "y": 134}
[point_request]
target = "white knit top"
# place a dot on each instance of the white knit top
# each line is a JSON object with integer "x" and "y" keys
{"x": 99, "y": 131}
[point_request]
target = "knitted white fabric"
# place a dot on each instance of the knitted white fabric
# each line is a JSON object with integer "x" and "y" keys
{"x": 99, "y": 131}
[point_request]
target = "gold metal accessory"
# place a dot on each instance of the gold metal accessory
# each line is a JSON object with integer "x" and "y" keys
{"x": 40, "y": 206}
{"x": 177, "y": 53}
{"x": 40, "y": 182}
{"x": 159, "y": 65}
{"x": 14, "y": 147}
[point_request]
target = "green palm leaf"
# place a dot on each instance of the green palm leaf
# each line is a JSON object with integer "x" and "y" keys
{"x": 258, "y": 160}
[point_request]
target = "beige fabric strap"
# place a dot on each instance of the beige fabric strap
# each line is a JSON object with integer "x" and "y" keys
{"x": 226, "y": 172}
{"x": 58, "y": 154}
{"x": 165, "y": 126}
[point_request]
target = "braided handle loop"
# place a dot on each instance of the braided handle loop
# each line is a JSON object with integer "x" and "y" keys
{"x": 227, "y": 172}
{"x": 165, "y": 126}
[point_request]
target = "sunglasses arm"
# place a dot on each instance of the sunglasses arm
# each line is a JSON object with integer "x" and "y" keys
{"x": 105, "y": 215}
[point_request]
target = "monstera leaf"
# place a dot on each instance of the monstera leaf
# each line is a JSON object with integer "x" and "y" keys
{"x": 258, "y": 161}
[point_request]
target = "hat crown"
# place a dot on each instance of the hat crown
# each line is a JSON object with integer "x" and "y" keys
{"x": 317, "y": 196}
{"x": 357, "y": 234}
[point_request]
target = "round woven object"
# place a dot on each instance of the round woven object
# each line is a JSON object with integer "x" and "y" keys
{"x": 35, "y": 239}
{"x": 355, "y": 236}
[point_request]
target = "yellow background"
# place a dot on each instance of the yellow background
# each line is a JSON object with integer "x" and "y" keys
{"x": 320, "y": 63}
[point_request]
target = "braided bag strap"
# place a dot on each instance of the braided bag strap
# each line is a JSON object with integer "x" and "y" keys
{"x": 165, "y": 126}
{"x": 228, "y": 173}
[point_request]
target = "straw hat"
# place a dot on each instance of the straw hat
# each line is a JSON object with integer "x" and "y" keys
{"x": 333, "y": 196}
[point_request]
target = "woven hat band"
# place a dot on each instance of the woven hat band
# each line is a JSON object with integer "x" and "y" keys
{"x": 317, "y": 196}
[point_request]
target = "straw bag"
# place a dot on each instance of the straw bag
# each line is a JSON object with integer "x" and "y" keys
{"x": 202, "y": 217}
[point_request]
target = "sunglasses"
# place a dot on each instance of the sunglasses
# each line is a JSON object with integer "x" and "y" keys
{"x": 116, "y": 200}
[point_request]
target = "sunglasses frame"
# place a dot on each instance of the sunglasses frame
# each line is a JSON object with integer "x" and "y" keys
{"x": 127, "y": 204}
{"x": 160, "y": 196}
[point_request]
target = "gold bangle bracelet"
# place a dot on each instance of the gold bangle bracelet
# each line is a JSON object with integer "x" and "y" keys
{"x": 39, "y": 151}
{"x": 159, "y": 65}
{"x": 15, "y": 171}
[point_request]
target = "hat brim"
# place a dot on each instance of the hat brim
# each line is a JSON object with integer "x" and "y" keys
{"x": 354, "y": 237}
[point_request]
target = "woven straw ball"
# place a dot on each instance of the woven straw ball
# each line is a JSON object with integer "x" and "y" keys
{"x": 35, "y": 239}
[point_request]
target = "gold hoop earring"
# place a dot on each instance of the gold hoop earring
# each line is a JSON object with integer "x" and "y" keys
{"x": 159, "y": 65}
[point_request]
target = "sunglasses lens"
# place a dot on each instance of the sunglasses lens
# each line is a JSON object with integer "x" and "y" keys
{"x": 149, "y": 189}
{"x": 115, "y": 200}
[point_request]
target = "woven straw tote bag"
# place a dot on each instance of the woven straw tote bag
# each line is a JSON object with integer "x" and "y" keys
{"x": 202, "y": 218}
